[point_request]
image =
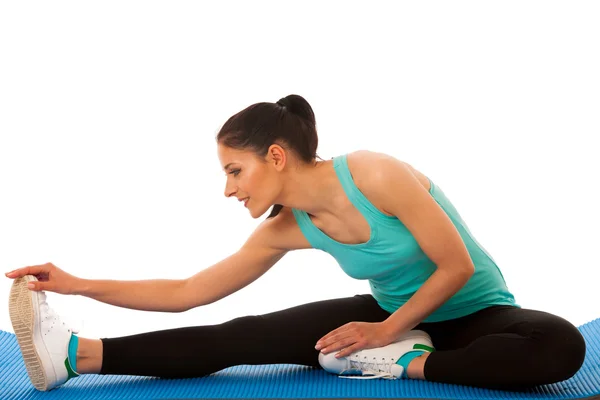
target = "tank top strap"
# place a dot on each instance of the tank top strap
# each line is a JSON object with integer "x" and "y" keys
{"x": 360, "y": 201}
{"x": 309, "y": 230}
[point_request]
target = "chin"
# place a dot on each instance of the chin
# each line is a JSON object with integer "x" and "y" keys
{"x": 252, "y": 212}
{"x": 255, "y": 214}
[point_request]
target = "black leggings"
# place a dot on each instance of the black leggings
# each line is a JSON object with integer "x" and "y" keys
{"x": 500, "y": 347}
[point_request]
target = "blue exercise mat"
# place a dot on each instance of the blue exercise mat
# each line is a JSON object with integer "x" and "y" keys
{"x": 283, "y": 381}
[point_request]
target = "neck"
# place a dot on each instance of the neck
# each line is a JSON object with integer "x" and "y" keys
{"x": 312, "y": 189}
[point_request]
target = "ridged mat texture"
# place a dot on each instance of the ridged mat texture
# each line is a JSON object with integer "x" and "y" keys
{"x": 283, "y": 381}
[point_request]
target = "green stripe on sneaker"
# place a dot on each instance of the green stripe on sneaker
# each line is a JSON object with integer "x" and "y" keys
{"x": 72, "y": 374}
{"x": 423, "y": 347}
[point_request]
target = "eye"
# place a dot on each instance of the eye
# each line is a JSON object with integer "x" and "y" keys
{"x": 235, "y": 172}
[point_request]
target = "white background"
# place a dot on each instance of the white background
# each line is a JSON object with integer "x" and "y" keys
{"x": 109, "y": 110}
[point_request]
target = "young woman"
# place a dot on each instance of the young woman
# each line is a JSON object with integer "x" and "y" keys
{"x": 439, "y": 308}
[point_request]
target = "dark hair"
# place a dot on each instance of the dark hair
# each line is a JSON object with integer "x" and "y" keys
{"x": 290, "y": 122}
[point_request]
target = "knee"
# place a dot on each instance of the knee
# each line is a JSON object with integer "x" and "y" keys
{"x": 575, "y": 349}
{"x": 564, "y": 350}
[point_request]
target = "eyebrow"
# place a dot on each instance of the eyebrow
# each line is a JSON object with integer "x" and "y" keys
{"x": 227, "y": 166}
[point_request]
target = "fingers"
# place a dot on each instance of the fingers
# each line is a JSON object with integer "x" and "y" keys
{"x": 337, "y": 344}
{"x": 326, "y": 341}
{"x": 332, "y": 336}
{"x": 33, "y": 270}
{"x": 341, "y": 350}
{"x": 349, "y": 350}
{"x": 335, "y": 336}
{"x": 36, "y": 286}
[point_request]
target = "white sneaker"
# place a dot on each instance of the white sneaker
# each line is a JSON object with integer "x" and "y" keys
{"x": 379, "y": 362}
{"x": 41, "y": 335}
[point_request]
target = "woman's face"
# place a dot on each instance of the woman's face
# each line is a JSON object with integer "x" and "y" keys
{"x": 249, "y": 179}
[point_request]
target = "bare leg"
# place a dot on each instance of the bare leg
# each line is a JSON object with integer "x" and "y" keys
{"x": 416, "y": 367}
{"x": 89, "y": 356}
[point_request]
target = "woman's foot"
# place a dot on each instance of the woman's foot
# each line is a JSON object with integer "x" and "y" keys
{"x": 42, "y": 337}
{"x": 381, "y": 362}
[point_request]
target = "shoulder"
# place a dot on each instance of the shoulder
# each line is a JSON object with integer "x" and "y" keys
{"x": 400, "y": 190}
{"x": 374, "y": 172}
{"x": 362, "y": 159}
{"x": 281, "y": 232}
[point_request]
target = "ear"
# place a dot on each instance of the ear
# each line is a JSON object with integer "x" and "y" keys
{"x": 277, "y": 156}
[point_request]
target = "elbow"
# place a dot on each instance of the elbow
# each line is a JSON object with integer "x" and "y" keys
{"x": 464, "y": 267}
{"x": 469, "y": 270}
{"x": 180, "y": 310}
{"x": 189, "y": 305}
{"x": 465, "y": 270}
{"x": 183, "y": 297}
{"x": 183, "y": 308}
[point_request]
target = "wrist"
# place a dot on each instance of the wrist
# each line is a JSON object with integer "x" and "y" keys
{"x": 80, "y": 287}
{"x": 390, "y": 331}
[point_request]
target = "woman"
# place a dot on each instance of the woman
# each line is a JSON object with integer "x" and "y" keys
{"x": 439, "y": 308}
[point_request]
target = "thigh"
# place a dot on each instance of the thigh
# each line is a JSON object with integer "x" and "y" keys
{"x": 508, "y": 320}
{"x": 313, "y": 320}
{"x": 297, "y": 329}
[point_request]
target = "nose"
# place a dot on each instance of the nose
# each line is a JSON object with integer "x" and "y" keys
{"x": 228, "y": 191}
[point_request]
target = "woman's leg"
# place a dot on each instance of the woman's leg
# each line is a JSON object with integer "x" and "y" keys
{"x": 504, "y": 347}
{"x": 89, "y": 356}
{"x": 283, "y": 337}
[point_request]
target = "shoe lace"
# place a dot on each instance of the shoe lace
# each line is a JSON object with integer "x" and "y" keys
{"x": 378, "y": 368}
{"x": 51, "y": 314}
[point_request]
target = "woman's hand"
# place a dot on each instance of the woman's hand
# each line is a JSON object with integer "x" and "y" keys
{"x": 355, "y": 336}
{"x": 50, "y": 278}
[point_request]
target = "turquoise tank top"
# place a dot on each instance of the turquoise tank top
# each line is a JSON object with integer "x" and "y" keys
{"x": 395, "y": 265}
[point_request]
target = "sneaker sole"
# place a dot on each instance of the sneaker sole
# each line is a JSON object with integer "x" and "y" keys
{"x": 23, "y": 315}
